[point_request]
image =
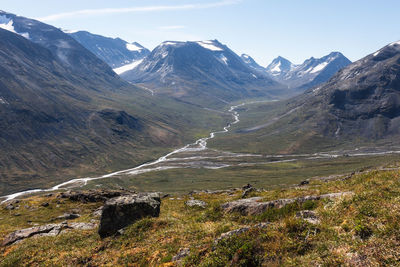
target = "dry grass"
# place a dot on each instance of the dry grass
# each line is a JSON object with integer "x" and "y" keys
{"x": 361, "y": 230}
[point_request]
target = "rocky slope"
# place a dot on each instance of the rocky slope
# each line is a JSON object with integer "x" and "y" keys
{"x": 114, "y": 51}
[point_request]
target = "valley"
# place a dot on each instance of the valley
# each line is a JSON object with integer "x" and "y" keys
{"x": 197, "y": 166}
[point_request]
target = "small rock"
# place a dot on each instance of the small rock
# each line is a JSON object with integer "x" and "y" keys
{"x": 309, "y": 216}
{"x": 45, "y": 204}
{"x": 183, "y": 252}
{"x": 304, "y": 183}
{"x": 247, "y": 191}
{"x": 122, "y": 211}
{"x": 9, "y": 207}
{"x": 69, "y": 216}
{"x": 247, "y": 186}
{"x": 196, "y": 203}
{"x": 239, "y": 231}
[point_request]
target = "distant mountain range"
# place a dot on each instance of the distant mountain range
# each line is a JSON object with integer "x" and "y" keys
{"x": 312, "y": 72}
{"x": 125, "y": 57}
{"x": 358, "y": 106}
{"x": 114, "y": 51}
{"x": 202, "y": 72}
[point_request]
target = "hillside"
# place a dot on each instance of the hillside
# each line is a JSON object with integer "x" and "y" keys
{"x": 65, "y": 113}
{"x": 342, "y": 222}
{"x": 114, "y": 51}
{"x": 358, "y": 107}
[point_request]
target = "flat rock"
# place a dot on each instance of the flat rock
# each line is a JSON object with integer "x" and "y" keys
{"x": 239, "y": 231}
{"x": 253, "y": 206}
{"x": 196, "y": 203}
{"x": 44, "y": 230}
{"x": 122, "y": 211}
{"x": 68, "y": 216}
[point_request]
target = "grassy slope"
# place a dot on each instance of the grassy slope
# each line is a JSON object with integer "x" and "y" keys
{"x": 296, "y": 132}
{"x": 362, "y": 229}
{"x": 263, "y": 176}
{"x": 168, "y": 124}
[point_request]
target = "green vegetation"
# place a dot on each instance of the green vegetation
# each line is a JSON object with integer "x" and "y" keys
{"x": 354, "y": 230}
{"x": 267, "y": 176}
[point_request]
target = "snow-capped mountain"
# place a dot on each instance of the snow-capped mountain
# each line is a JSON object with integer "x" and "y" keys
{"x": 279, "y": 67}
{"x": 66, "y": 50}
{"x": 202, "y": 70}
{"x": 114, "y": 51}
{"x": 252, "y": 63}
{"x": 312, "y": 72}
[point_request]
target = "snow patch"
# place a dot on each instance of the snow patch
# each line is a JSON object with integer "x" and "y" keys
{"x": 223, "y": 58}
{"x": 169, "y": 43}
{"x": 209, "y": 45}
{"x": 377, "y": 53}
{"x": 127, "y": 67}
{"x": 133, "y": 47}
{"x": 319, "y": 67}
{"x": 277, "y": 68}
{"x": 70, "y": 31}
{"x": 395, "y": 43}
{"x": 8, "y": 25}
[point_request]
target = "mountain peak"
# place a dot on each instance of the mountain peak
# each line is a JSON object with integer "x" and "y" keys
{"x": 279, "y": 66}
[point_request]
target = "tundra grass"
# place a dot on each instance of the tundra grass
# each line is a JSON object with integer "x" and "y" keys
{"x": 358, "y": 230}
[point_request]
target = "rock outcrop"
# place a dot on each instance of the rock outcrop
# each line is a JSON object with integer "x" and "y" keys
{"x": 122, "y": 211}
{"x": 252, "y": 206}
{"x": 93, "y": 195}
{"x": 44, "y": 230}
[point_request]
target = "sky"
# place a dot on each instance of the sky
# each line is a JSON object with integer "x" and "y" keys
{"x": 264, "y": 29}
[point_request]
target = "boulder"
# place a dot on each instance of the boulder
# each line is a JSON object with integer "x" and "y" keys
{"x": 253, "y": 206}
{"x": 196, "y": 203}
{"x": 122, "y": 211}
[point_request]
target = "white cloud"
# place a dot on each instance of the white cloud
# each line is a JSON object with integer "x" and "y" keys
{"x": 172, "y": 27}
{"x": 105, "y": 11}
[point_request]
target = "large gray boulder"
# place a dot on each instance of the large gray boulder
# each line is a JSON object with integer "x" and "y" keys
{"x": 122, "y": 211}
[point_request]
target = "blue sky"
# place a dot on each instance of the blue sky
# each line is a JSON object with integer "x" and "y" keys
{"x": 264, "y": 29}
